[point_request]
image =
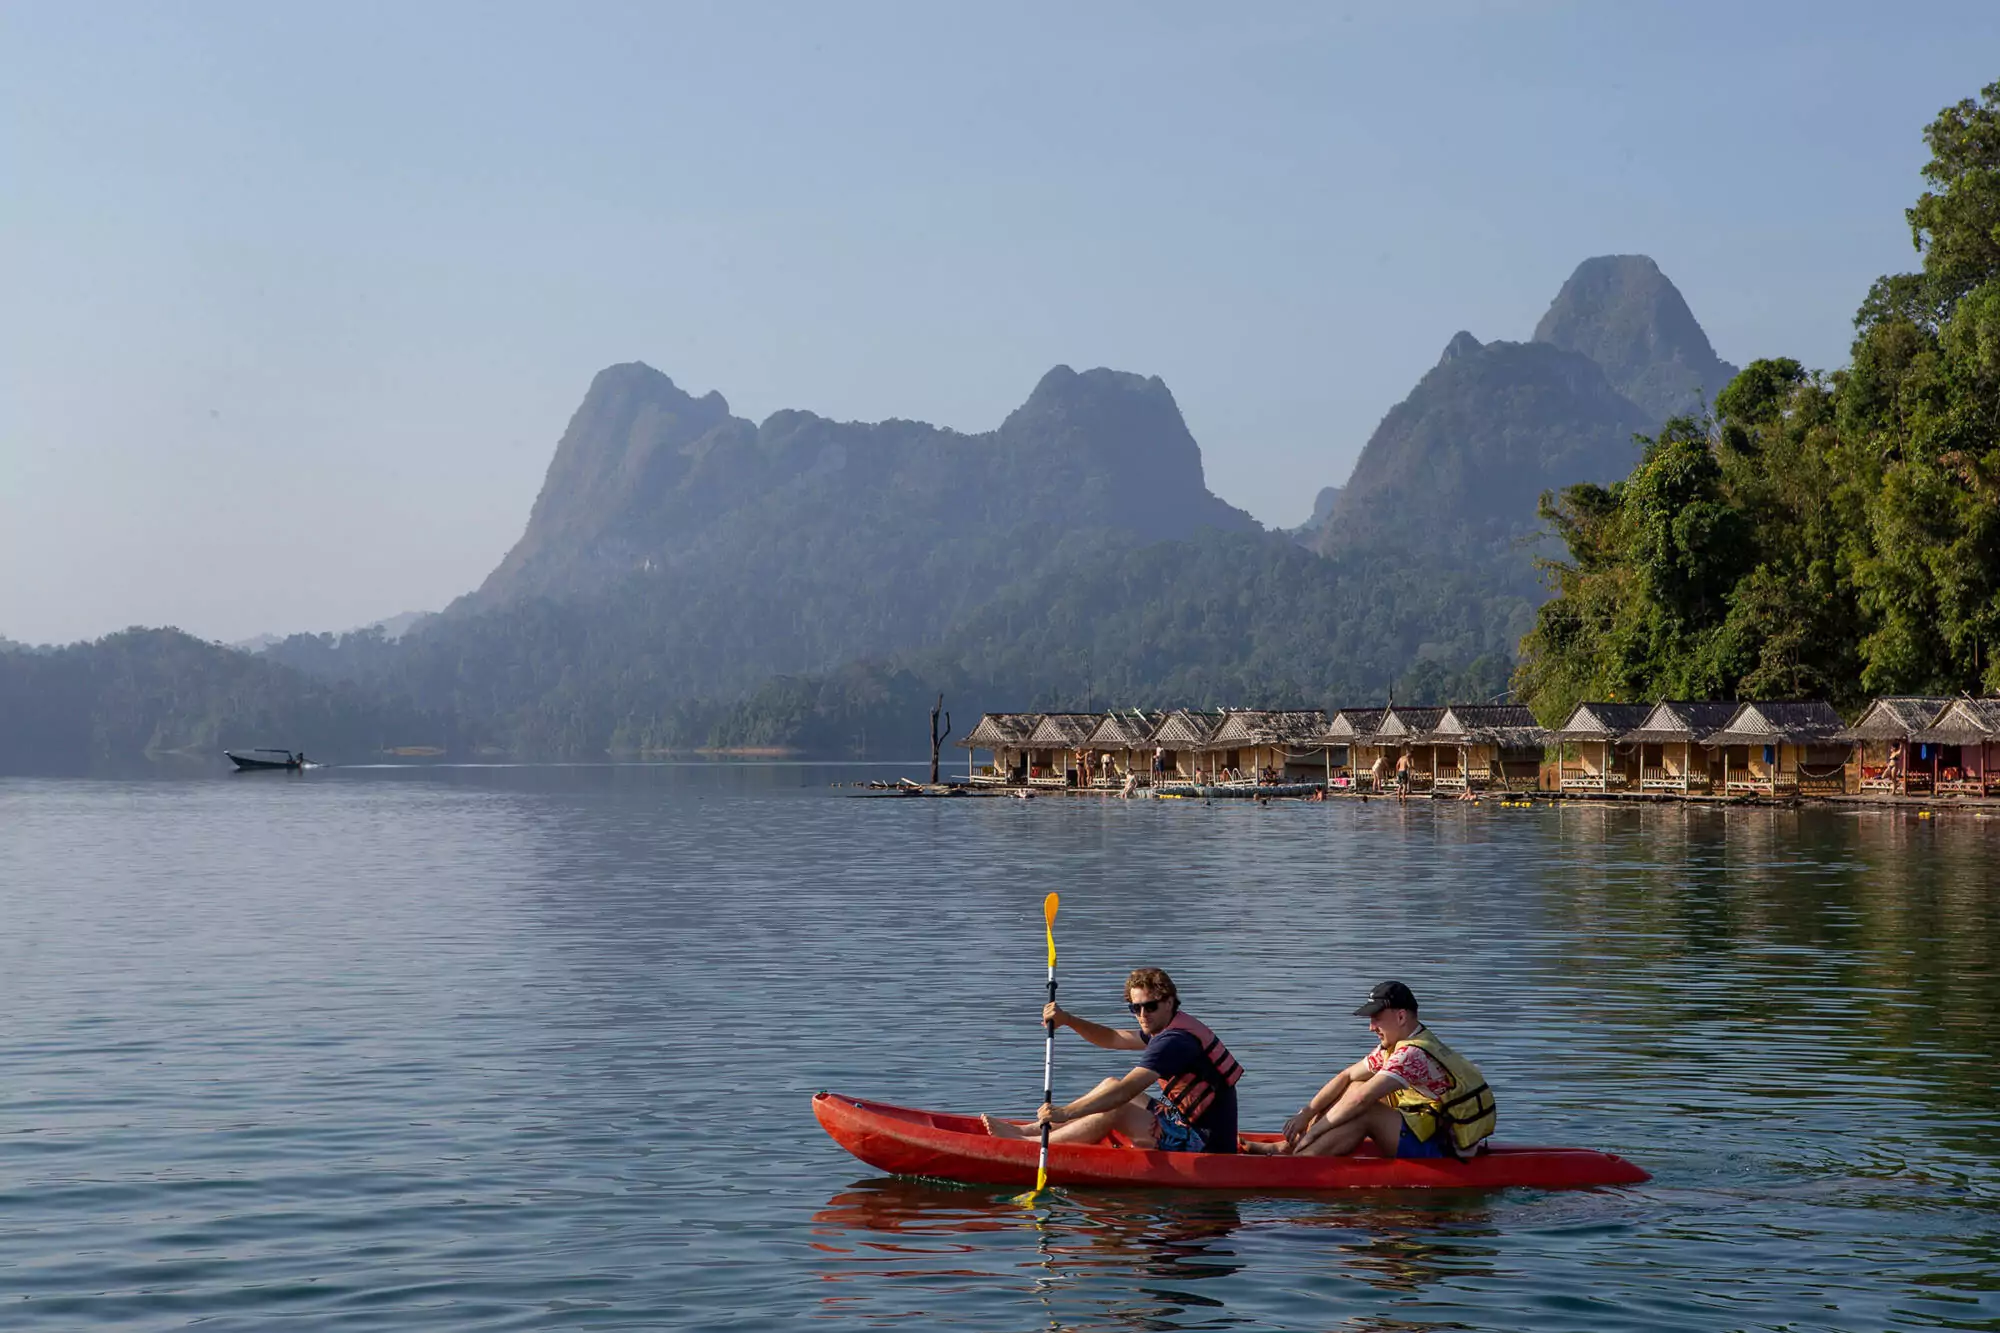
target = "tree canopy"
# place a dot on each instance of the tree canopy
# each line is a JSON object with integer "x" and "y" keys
{"x": 1819, "y": 535}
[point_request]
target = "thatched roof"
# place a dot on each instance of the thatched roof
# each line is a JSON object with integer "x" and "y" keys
{"x": 1600, "y": 722}
{"x": 1294, "y": 728}
{"x": 1062, "y": 731}
{"x": 1186, "y": 729}
{"x": 1803, "y": 723}
{"x": 1898, "y": 718}
{"x": 1510, "y": 726}
{"x": 1674, "y": 721}
{"x": 1008, "y": 730}
{"x": 1126, "y": 730}
{"x": 1353, "y": 724}
{"x": 1407, "y": 724}
{"x": 1964, "y": 722}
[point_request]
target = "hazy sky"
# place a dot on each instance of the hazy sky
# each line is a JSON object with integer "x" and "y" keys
{"x": 299, "y": 298}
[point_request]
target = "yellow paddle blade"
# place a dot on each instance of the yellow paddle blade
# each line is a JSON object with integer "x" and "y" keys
{"x": 1041, "y": 1183}
{"x": 1049, "y": 905}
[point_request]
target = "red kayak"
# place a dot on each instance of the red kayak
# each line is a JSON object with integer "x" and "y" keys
{"x": 904, "y": 1142}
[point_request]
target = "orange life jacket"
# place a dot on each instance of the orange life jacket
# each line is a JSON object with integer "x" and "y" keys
{"x": 1193, "y": 1092}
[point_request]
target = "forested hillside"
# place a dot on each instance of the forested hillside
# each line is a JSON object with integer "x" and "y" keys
{"x": 1211, "y": 621}
{"x": 148, "y": 691}
{"x": 1833, "y": 535}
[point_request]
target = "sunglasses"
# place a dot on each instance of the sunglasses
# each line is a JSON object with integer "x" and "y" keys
{"x": 1145, "y": 1006}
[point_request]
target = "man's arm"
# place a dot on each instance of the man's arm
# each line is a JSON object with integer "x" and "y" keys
{"x": 1124, "y": 1090}
{"x": 1111, "y": 1039}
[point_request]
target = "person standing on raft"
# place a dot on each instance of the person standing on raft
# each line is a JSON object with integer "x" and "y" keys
{"x": 1196, "y": 1111}
{"x": 1413, "y": 1096}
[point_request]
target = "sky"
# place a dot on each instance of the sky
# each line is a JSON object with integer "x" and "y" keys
{"x": 298, "y": 299}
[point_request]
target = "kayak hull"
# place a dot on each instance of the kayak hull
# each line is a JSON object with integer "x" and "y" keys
{"x": 907, "y": 1142}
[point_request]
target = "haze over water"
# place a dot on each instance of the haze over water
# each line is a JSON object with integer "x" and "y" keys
{"x": 532, "y": 1048}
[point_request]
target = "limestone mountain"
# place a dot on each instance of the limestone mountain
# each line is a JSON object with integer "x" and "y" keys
{"x": 678, "y": 551}
{"x": 650, "y": 478}
{"x": 1623, "y": 313}
{"x": 1456, "y": 468}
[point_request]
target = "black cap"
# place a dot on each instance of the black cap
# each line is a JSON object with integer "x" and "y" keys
{"x": 1388, "y": 995}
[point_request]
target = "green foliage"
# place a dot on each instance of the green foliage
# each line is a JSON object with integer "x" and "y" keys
{"x": 1833, "y": 537}
{"x": 1218, "y": 619}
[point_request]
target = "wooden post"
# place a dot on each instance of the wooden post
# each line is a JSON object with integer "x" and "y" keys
{"x": 937, "y": 740}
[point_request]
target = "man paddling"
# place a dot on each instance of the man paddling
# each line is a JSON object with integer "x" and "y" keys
{"x": 1197, "y": 1075}
{"x": 1412, "y": 1096}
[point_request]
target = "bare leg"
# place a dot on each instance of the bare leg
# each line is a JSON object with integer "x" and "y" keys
{"x": 1380, "y": 1122}
{"x": 1134, "y": 1119}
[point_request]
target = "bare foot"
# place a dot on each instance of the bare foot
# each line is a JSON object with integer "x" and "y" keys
{"x": 1259, "y": 1148}
{"x": 1002, "y": 1129}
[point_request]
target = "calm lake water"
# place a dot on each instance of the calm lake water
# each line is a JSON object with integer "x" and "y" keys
{"x": 532, "y": 1048}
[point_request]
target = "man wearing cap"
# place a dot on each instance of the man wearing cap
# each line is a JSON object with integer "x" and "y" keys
{"x": 1412, "y": 1095}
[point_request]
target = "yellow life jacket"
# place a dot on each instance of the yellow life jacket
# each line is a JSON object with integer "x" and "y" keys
{"x": 1467, "y": 1107}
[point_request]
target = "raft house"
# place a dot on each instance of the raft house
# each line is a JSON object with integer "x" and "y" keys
{"x": 1882, "y": 740}
{"x": 1898, "y": 747}
{"x": 1257, "y": 750}
{"x": 1960, "y": 743}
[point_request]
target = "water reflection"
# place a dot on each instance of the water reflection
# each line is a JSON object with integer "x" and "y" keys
{"x": 1136, "y": 1260}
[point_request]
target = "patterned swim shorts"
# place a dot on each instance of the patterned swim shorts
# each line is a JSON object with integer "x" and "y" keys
{"x": 1173, "y": 1134}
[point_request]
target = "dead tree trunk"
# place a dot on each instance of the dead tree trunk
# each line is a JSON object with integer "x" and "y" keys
{"x": 937, "y": 739}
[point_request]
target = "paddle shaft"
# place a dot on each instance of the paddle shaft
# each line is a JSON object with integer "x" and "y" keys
{"x": 1048, "y": 1084}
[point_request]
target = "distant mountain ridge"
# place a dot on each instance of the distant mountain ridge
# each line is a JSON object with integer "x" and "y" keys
{"x": 689, "y": 577}
{"x": 648, "y": 477}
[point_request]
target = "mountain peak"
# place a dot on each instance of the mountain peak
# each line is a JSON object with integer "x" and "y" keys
{"x": 1461, "y": 344}
{"x": 1122, "y": 436}
{"x": 1622, "y": 312}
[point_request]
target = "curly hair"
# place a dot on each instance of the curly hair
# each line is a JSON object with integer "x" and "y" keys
{"x": 1152, "y": 980}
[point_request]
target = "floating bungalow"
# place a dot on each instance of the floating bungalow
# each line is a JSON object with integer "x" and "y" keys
{"x": 1178, "y": 742}
{"x": 1960, "y": 745}
{"x": 1596, "y": 733}
{"x": 1882, "y": 740}
{"x": 1347, "y": 729}
{"x": 1479, "y": 746}
{"x": 1771, "y": 749}
{"x": 1672, "y": 749}
{"x": 1005, "y": 737}
{"x": 1401, "y": 751}
{"x": 1056, "y": 757}
{"x": 1122, "y": 742}
{"x": 1255, "y": 746}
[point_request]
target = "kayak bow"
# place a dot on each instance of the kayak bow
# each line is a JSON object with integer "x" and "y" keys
{"x": 907, "y": 1142}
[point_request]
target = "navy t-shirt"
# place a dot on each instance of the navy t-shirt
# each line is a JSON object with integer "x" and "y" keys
{"x": 1173, "y": 1053}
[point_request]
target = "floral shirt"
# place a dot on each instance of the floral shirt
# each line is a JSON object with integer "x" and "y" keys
{"x": 1414, "y": 1066}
